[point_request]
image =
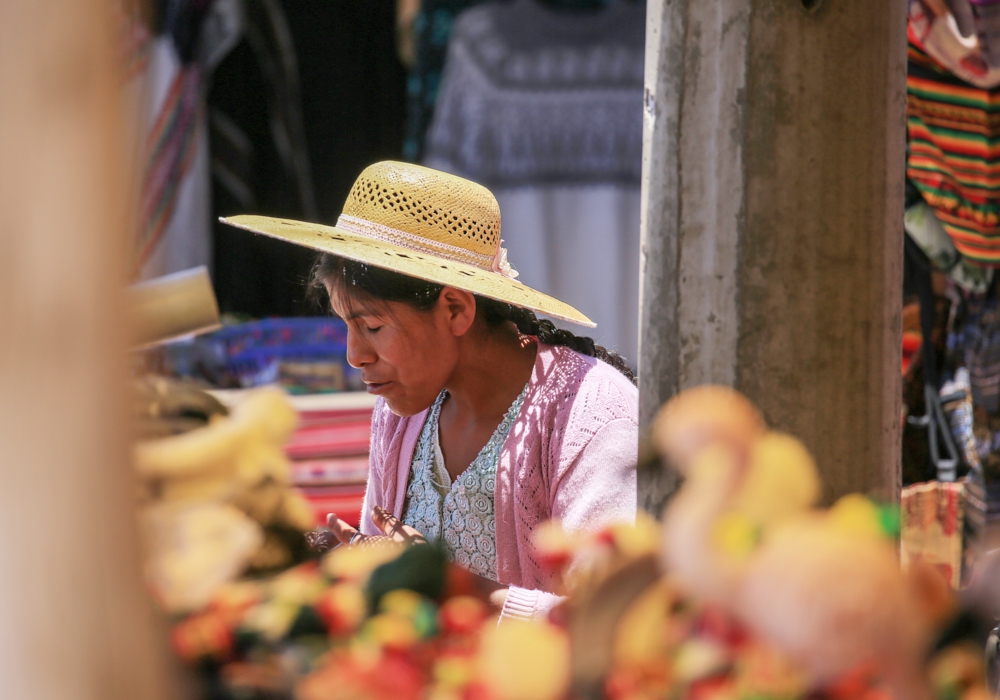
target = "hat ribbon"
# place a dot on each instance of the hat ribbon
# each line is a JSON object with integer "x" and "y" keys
{"x": 419, "y": 244}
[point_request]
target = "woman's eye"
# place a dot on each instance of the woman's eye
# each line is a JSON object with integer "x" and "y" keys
{"x": 373, "y": 330}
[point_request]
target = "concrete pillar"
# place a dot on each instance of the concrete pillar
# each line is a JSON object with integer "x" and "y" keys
{"x": 772, "y": 221}
{"x": 75, "y": 622}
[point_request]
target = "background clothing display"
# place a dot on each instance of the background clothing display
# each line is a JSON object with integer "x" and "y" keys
{"x": 171, "y": 60}
{"x": 544, "y": 107}
{"x": 952, "y": 223}
{"x": 425, "y": 46}
{"x": 260, "y": 162}
{"x": 431, "y": 31}
{"x": 953, "y": 141}
{"x": 313, "y": 93}
{"x": 175, "y": 204}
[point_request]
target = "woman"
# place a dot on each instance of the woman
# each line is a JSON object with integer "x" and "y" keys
{"x": 489, "y": 421}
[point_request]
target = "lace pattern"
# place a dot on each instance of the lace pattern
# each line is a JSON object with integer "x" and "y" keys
{"x": 460, "y": 515}
{"x": 530, "y": 96}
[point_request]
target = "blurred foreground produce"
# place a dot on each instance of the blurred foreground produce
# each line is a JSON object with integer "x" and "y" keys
{"x": 218, "y": 501}
{"x": 764, "y": 598}
{"x": 162, "y": 406}
{"x": 822, "y": 587}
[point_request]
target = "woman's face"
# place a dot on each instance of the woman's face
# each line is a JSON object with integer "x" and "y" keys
{"x": 405, "y": 356}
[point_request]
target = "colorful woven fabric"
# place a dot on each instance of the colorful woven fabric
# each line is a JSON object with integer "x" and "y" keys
{"x": 953, "y": 133}
{"x": 172, "y": 143}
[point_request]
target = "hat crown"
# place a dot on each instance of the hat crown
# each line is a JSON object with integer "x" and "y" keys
{"x": 427, "y": 203}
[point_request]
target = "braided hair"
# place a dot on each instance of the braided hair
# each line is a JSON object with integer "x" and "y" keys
{"x": 379, "y": 284}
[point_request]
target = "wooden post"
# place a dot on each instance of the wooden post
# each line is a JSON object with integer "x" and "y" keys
{"x": 75, "y": 622}
{"x": 772, "y": 221}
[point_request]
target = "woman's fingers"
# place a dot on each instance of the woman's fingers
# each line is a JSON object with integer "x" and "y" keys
{"x": 394, "y": 528}
{"x": 341, "y": 530}
{"x": 385, "y": 521}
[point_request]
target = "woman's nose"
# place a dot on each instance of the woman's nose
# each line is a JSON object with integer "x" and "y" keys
{"x": 359, "y": 352}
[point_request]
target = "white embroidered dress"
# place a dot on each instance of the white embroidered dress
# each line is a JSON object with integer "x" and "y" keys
{"x": 457, "y": 514}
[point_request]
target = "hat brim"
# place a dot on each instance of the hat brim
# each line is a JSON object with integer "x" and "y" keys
{"x": 329, "y": 239}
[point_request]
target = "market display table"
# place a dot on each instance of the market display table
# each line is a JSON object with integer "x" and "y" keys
{"x": 329, "y": 450}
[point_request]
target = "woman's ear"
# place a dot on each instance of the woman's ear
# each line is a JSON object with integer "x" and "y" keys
{"x": 460, "y": 309}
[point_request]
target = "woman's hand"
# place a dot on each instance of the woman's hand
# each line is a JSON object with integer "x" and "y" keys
{"x": 393, "y": 528}
{"x": 396, "y": 531}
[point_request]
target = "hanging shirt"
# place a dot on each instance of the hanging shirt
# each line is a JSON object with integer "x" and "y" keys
{"x": 457, "y": 514}
{"x": 544, "y": 107}
{"x": 953, "y": 143}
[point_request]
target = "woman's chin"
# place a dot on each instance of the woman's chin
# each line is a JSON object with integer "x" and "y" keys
{"x": 404, "y": 408}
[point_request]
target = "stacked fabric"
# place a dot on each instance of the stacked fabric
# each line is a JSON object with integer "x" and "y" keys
{"x": 329, "y": 452}
{"x": 302, "y": 355}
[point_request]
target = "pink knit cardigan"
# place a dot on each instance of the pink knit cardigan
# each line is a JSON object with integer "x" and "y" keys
{"x": 570, "y": 455}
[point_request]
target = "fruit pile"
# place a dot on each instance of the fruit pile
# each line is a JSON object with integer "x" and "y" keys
{"x": 747, "y": 591}
{"x": 378, "y": 622}
{"x": 362, "y": 624}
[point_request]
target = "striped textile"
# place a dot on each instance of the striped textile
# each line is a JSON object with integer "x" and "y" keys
{"x": 953, "y": 133}
{"x": 171, "y": 144}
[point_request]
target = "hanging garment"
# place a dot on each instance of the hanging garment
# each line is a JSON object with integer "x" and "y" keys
{"x": 952, "y": 40}
{"x": 260, "y": 163}
{"x": 544, "y": 107}
{"x": 431, "y": 31}
{"x": 312, "y": 94}
{"x": 169, "y": 69}
{"x": 424, "y": 46}
{"x": 953, "y": 135}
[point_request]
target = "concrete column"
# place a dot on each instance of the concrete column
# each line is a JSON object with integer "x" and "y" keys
{"x": 772, "y": 221}
{"x": 75, "y": 622}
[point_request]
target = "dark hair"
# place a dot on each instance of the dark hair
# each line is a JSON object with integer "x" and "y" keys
{"x": 332, "y": 271}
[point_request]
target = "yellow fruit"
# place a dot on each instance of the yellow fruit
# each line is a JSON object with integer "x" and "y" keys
{"x": 296, "y": 512}
{"x": 402, "y": 602}
{"x": 272, "y": 619}
{"x": 302, "y": 585}
{"x": 735, "y": 535}
{"x": 699, "y": 658}
{"x": 856, "y": 515}
{"x": 357, "y": 563}
{"x": 205, "y": 449}
{"x": 391, "y": 631}
{"x": 707, "y": 414}
{"x": 640, "y": 539}
{"x": 525, "y": 661}
{"x": 454, "y": 670}
{"x": 780, "y": 480}
{"x": 342, "y": 607}
{"x": 642, "y": 634}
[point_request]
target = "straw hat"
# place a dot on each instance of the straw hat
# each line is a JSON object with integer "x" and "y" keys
{"x": 423, "y": 223}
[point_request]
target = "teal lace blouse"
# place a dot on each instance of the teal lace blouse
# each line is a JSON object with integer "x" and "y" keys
{"x": 458, "y": 514}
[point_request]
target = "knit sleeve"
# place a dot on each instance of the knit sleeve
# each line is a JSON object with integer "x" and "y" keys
{"x": 598, "y": 486}
{"x": 377, "y": 452}
{"x": 528, "y": 604}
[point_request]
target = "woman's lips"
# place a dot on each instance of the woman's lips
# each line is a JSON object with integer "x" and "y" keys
{"x": 376, "y": 387}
